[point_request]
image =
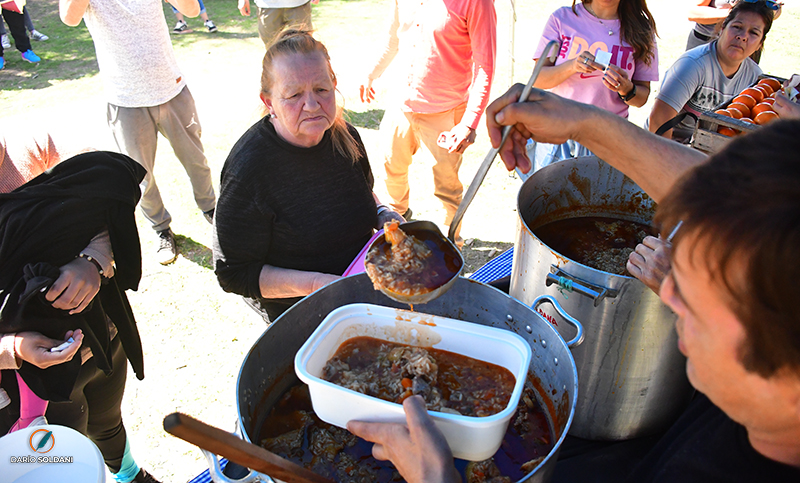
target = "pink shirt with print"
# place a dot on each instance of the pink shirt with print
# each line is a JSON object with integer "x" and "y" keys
{"x": 577, "y": 33}
{"x": 448, "y": 49}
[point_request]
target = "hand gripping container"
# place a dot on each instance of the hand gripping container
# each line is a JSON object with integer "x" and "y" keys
{"x": 470, "y": 438}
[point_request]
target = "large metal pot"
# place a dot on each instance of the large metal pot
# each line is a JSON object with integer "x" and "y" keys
{"x": 268, "y": 371}
{"x": 632, "y": 376}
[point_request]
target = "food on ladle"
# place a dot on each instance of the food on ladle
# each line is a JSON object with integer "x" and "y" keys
{"x": 403, "y": 266}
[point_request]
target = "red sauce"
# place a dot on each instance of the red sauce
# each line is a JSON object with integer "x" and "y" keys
{"x": 599, "y": 242}
{"x": 529, "y": 436}
{"x": 447, "y": 381}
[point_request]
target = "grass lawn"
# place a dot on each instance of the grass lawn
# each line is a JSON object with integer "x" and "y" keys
{"x": 195, "y": 336}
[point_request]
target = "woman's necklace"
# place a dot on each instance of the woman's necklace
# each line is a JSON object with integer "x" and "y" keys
{"x": 590, "y": 10}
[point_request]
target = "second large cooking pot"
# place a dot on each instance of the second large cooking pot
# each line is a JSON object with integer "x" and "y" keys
{"x": 632, "y": 377}
{"x": 268, "y": 370}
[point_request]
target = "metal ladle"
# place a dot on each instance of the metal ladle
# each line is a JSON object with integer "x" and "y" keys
{"x": 487, "y": 161}
{"x": 426, "y": 230}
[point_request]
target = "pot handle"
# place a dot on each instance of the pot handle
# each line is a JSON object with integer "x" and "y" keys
{"x": 574, "y": 342}
{"x": 217, "y": 476}
{"x": 567, "y": 282}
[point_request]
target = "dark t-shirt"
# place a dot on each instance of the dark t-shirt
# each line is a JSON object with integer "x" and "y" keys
{"x": 702, "y": 446}
{"x": 301, "y": 208}
{"x": 706, "y": 446}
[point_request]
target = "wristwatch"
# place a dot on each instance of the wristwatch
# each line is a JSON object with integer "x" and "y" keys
{"x": 630, "y": 95}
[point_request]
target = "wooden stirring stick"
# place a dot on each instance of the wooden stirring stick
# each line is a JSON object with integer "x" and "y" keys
{"x": 237, "y": 450}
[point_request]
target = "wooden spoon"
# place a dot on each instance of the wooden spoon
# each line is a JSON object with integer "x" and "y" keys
{"x": 238, "y": 450}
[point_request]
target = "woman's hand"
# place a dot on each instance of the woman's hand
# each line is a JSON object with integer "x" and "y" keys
{"x": 581, "y": 63}
{"x": 34, "y": 348}
{"x": 75, "y": 288}
{"x": 419, "y": 452}
{"x": 389, "y": 215}
{"x": 785, "y": 108}
{"x": 650, "y": 263}
{"x": 366, "y": 92}
{"x": 617, "y": 80}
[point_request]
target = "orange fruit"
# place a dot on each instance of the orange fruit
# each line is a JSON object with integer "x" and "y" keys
{"x": 754, "y": 93}
{"x": 747, "y": 119}
{"x": 735, "y": 113}
{"x": 769, "y": 100}
{"x": 767, "y": 90}
{"x": 747, "y": 100}
{"x": 774, "y": 84}
{"x": 761, "y": 107}
{"x": 766, "y": 117}
{"x": 745, "y": 110}
{"x": 726, "y": 131}
{"x": 723, "y": 112}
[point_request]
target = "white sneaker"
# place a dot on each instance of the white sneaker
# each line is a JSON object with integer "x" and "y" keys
{"x": 181, "y": 28}
{"x": 36, "y": 35}
{"x": 4, "y": 399}
{"x": 5, "y": 42}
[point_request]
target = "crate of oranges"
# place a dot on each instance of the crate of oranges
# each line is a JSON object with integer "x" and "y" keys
{"x": 746, "y": 112}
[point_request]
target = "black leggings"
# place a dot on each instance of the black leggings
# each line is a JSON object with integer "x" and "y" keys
{"x": 95, "y": 407}
{"x": 16, "y": 24}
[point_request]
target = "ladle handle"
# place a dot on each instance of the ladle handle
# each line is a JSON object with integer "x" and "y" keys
{"x": 578, "y": 339}
{"x": 487, "y": 161}
{"x": 234, "y": 449}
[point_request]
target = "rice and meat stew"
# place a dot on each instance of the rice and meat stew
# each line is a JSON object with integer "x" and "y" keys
{"x": 409, "y": 265}
{"x": 293, "y": 431}
{"x": 449, "y": 382}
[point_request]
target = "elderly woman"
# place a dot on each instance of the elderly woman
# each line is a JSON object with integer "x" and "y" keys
{"x": 296, "y": 203}
{"x": 712, "y": 74}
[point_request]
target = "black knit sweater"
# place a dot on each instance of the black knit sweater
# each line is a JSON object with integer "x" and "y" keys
{"x": 301, "y": 208}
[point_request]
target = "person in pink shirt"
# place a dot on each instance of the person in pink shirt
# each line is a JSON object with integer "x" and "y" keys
{"x": 447, "y": 49}
{"x": 625, "y": 29}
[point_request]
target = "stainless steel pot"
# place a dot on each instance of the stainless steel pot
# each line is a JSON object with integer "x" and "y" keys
{"x": 268, "y": 370}
{"x": 632, "y": 376}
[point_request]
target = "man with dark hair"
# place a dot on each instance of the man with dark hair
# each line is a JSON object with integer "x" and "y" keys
{"x": 733, "y": 285}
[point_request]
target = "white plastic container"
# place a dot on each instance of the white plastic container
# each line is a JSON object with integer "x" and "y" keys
{"x": 470, "y": 438}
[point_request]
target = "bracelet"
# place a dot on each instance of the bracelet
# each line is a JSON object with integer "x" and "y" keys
{"x": 630, "y": 95}
{"x": 94, "y": 261}
{"x": 382, "y": 209}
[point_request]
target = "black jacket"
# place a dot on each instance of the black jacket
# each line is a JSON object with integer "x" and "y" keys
{"x": 45, "y": 224}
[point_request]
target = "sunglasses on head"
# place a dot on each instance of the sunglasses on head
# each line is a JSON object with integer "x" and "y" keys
{"x": 770, "y": 3}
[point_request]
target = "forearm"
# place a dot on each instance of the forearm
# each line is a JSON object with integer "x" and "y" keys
{"x": 662, "y": 112}
{"x": 390, "y": 47}
{"x": 478, "y": 96}
{"x": 190, "y": 8}
{"x": 707, "y": 15}
{"x": 8, "y": 359}
{"x": 100, "y": 249}
{"x": 553, "y": 75}
{"x": 625, "y": 146}
{"x": 276, "y": 282}
{"x": 71, "y": 11}
{"x": 642, "y": 94}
